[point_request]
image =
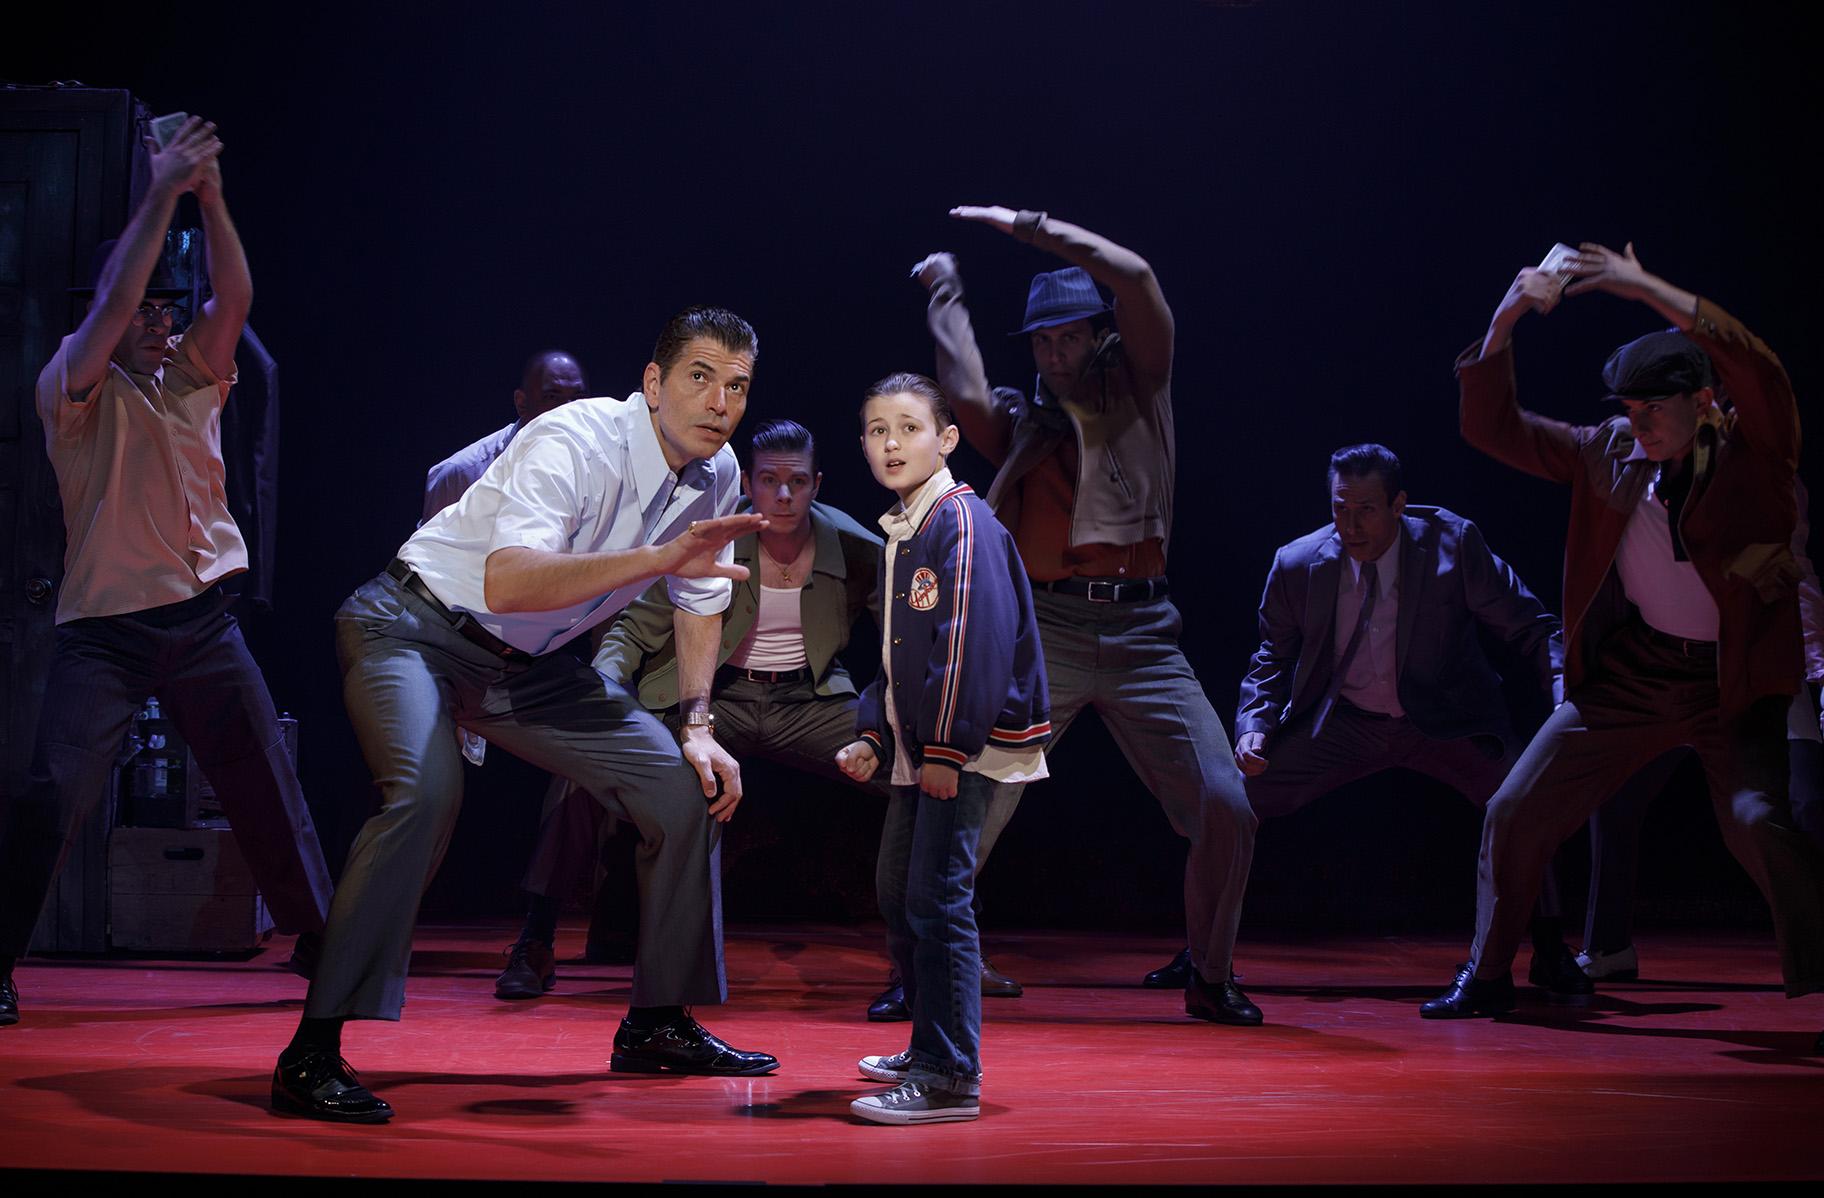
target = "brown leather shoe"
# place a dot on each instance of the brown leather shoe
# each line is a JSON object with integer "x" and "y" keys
{"x": 996, "y": 984}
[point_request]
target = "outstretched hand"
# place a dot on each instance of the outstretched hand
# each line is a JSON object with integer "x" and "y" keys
{"x": 1599, "y": 268}
{"x": 933, "y": 269}
{"x": 1533, "y": 290}
{"x": 185, "y": 159}
{"x": 1001, "y": 218}
{"x": 692, "y": 553}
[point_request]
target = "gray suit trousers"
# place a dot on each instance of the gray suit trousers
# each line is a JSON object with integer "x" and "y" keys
{"x": 1123, "y": 660}
{"x": 409, "y": 680}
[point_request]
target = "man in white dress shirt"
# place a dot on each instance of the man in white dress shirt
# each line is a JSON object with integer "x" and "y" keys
{"x": 582, "y": 511}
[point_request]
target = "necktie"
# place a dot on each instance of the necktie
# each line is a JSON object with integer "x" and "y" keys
{"x": 1372, "y": 592}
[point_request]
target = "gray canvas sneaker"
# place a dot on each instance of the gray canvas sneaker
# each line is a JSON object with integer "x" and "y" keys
{"x": 912, "y": 1102}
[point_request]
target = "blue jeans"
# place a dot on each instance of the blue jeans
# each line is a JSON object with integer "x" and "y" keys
{"x": 925, "y": 877}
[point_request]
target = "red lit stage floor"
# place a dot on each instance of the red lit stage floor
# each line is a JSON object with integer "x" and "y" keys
{"x": 1703, "y": 1073}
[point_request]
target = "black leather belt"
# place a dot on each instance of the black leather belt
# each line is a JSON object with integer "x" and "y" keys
{"x": 1108, "y": 590}
{"x": 1678, "y": 644}
{"x": 461, "y": 621}
{"x": 774, "y": 677}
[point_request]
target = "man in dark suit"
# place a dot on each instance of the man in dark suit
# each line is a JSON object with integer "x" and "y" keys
{"x": 1370, "y": 654}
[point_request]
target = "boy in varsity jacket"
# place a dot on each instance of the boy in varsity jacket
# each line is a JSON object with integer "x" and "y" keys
{"x": 959, "y": 709}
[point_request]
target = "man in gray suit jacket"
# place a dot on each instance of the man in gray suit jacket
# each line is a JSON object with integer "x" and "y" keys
{"x": 1370, "y": 654}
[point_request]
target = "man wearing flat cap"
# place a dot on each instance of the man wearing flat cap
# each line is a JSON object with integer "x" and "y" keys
{"x": 1086, "y": 466}
{"x": 132, "y": 407}
{"x": 1681, "y": 604}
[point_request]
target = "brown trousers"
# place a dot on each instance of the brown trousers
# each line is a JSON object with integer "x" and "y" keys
{"x": 1650, "y": 693}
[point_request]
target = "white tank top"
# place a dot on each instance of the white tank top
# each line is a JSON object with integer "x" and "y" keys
{"x": 776, "y": 641}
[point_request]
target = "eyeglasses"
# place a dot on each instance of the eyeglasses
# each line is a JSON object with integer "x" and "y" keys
{"x": 159, "y": 314}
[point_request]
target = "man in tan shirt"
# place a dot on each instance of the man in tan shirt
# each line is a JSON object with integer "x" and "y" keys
{"x": 132, "y": 409}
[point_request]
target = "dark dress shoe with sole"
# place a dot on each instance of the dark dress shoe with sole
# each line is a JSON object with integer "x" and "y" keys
{"x": 889, "y": 1006}
{"x": 9, "y": 1001}
{"x": 683, "y": 1047}
{"x": 320, "y": 1085}
{"x": 1175, "y": 976}
{"x": 1470, "y": 996}
{"x": 1555, "y": 971}
{"x": 996, "y": 984}
{"x": 531, "y": 971}
{"x": 1219, "y": 1003}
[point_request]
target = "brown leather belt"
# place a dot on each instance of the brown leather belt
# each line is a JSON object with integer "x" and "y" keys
{"x": 461, "y": 621}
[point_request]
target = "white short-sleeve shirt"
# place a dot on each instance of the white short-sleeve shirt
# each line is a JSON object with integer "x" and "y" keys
{"x": 588, "y": 477}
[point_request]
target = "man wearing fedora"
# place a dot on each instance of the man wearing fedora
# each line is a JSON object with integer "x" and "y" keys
{"x": 1681, "y": 604}
{"x": 131, "y": 407}
{"x": 1085, "y": 470}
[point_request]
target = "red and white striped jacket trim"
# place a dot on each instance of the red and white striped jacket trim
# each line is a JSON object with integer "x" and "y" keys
{"x": 960, "y": 581}
{"x": 1018, "y": 738}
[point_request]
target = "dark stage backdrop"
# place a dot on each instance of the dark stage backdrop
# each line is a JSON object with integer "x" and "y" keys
{"x": 1334, "y": 195}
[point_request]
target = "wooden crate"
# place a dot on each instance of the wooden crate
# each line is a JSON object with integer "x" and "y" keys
{"x": 182, "y": 890}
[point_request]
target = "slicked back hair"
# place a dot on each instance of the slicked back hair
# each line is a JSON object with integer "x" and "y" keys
{"x": 907, "y": 383}
{"x": 1359, "y": 461}
{"x": 779, "y": 435}
{"x": 718, "y": 324}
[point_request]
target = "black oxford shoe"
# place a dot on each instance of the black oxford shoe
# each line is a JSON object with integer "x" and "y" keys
{"x": 889, "y": 1006}
{"x": 9, "y": 1001}
{"x": 1219, "y": 1002}
{"x": 1470, "y": 996}
{"x": 996, "y": 984}
{"x": 1175, "y": 976}
{"x": 683, "y": 1047}
{"x": 531, "y": 971}
{"x": 1555, "y": 971}
{"x": 320, "y": 1085}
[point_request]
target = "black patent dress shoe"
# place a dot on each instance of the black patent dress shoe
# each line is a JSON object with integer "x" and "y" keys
{"x": 305, "y": 954}
{"x": 530, "y": 973}
{"x": 320, "y": 1085}
{"x": 1555, "y": 971}
{"x": 1219, "y": 1002}
{"x": 889, "y": 1006}
{"x": 1470, "y": 996}
{"x": 996, "y": 984}
{"x": 9, "y": 1001}
{"x": 683, "y": 1047}
{"x": 1175, "y": 976}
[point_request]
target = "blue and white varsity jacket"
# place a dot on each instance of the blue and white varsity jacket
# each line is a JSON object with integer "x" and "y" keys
{"x": 967, "y": 666}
